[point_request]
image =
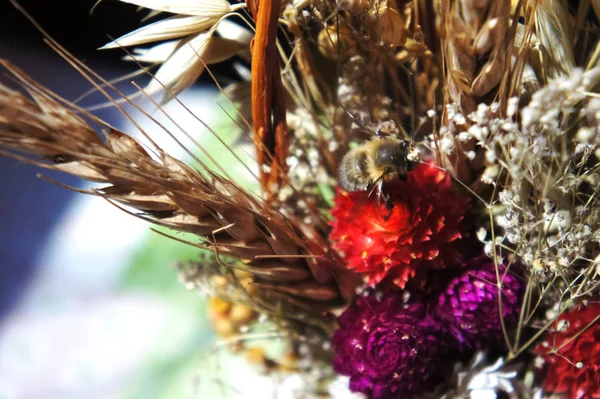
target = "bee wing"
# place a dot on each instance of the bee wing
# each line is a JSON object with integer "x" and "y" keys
{"x": 373, "y": 193}
{"x": 384, "y": 205}
{"x": 377, "y": 186}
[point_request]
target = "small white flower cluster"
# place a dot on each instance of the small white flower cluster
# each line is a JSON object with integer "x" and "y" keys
{"x": 206, "y": 279}
{"x": 306, "y": 167}
{"x": 542, "y": 165}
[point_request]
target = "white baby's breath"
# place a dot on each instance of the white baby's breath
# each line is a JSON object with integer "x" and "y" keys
{"x": 481, "y": 380}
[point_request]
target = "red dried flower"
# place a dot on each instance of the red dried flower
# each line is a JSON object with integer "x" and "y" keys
{"x": 418, "y": 232}
{"x": 572, "y": 355}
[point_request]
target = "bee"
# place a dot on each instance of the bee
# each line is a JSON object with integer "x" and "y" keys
{"x": 379, "y": 160}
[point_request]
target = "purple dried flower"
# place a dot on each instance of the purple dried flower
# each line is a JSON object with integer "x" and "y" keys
{"x": 469, "y": 305}
{"x": 387, "y": 347}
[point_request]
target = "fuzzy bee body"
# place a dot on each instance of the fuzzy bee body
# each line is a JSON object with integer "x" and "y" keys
{"x": 373, "y": 162}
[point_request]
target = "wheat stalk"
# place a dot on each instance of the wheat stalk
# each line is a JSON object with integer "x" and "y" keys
{"x": 286, "y": 259}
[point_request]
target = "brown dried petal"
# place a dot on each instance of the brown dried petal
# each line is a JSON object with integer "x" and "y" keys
{"x": 275, "y": 270}
{"x": 82, "y": 170}
{"x": 390, "y": 27}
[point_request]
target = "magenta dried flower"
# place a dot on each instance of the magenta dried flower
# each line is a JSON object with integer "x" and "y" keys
{"x": 469, "y": 308}
{"x": 389, "y": 348}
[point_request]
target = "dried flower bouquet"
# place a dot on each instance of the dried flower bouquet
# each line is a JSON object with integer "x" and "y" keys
{"x": 462, "y": 262}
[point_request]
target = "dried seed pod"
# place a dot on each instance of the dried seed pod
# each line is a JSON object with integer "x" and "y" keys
{"x": 336, "y": 41}
{"x": 390, "y": 27}
{"x": 355, "y": 6}
{"x": 416, "y": 48}
{"x": 229, "y": 318}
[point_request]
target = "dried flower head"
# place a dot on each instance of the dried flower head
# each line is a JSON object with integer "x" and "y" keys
{"x": 460, "y": 73}
{"x": 571, "y": 354}
{"x": 419, "y": 232}
{"x": 389, "y": 348}
{"x": 469, "y": 306}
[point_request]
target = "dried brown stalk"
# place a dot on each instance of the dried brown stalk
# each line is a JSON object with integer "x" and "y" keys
{"x": 286, "y": 260}
{"x": 268, "y": 95}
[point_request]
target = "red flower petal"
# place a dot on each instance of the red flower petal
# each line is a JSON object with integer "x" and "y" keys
{"x": 378, "y": 243}
{"x": 572, "y": 355}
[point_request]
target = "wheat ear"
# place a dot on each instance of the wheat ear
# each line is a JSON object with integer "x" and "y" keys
{"x": 283, "y": 259}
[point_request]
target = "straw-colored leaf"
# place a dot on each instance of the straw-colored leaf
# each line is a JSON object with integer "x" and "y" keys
{"x": 188, "y": 61}
{"x": 389, "y": 27}
{"x": 222, "y": 49}
{"x": 238, "y": 34}
{"x": 232, "y": 31}
{"x": 182, "y": 68}
{"x": 155, "y": 54}
{"x": 169, "y": 28}
{"x": 203, "y": 8}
